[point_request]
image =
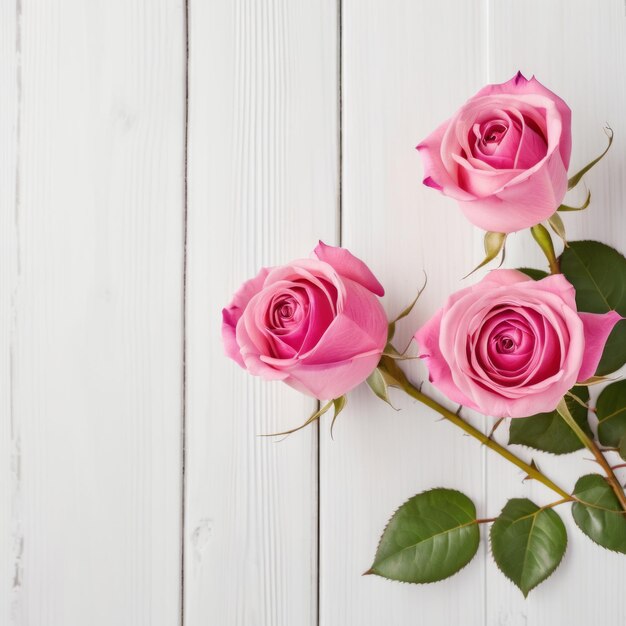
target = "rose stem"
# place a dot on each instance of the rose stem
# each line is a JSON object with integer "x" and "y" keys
{"x": 611, "y": 477}
{"x": 591, "y": 445}
{"x": 532, "y": 472}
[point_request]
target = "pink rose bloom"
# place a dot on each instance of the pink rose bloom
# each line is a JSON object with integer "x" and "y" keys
{"x": 510, "y": 346}
{"x": 503, "y": 155}
{"x": 316, "y": 324}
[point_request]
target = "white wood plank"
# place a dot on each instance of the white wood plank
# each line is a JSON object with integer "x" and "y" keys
{"x": 263, "y": 184}
{"x": 97, "y": 342}
{"x": 578, "y": 49}
{"x": 9, "y": 548}
{"x": 406, "y": 66}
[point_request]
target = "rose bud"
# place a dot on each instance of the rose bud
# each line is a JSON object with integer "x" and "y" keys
{"x": 503, "y": 155}
{"x": 316, "y": 324}
{"x": 510, "y": 346}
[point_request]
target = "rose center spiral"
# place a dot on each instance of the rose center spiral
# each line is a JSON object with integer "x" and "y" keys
{"x": 494, "y": 132}
{"x": 505, "y": 344}
{"x": 286, "y": 310}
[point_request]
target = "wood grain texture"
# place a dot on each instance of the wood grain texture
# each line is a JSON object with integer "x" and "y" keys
{"x": 263, "y": 186}
{"x": 9, "y": 522}
{"x": 97, "y": 332}
{"x": 578, "y": 49}
{"x": 396, "y": 89}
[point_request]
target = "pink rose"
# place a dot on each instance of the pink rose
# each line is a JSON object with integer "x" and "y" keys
{"x": 315, "y": 324}
{"x": 510, "y": 346}
{"x": 503, "y": 155}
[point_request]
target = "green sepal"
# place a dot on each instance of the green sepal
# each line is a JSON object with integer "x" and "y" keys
{"x": 548, "y": 432}
{"x": 378, "y": 384}
{"x": 387, "y": 374}
{"x": 556, "y": 224}
{"x": 338, "y": 405}
{"x": 391, "y": 329}
{"x": 527, "y": 542}
{"x": 611, "y": 414}
{"x": 314, "y": 416}
{"x": 542, "y": 237}
{"x": 594, "y": 380}
{"x": 494, "y": 244}
{"x": 582, "y": 207}
{"x": 430, "y": 537}
{"x": 575, "y": 179}
{"x": 598, "y": 513}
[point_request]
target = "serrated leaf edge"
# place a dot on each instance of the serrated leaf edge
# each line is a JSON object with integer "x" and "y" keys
{"x": 525, "y": 593}
{"x": 588, "y": 504}
{"x": 371, "y": 572}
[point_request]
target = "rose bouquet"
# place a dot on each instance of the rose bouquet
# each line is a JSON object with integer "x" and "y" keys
{"x": 523, "y": 344}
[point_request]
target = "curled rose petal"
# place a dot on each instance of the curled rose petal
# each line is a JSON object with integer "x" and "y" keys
{"x": 598, "y": 327}
{"x": 348, "y": 266}
{"x": 233, "y": 312}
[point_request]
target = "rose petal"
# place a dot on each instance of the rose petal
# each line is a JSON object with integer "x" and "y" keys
{"x": 348, "y": 266}
{"x": 435, "y": 173}
{"x": 597, "y": 328}
{"x": 233, "y": 312}
{"x": 360, "y": 327}
{"x": 332, "y": 380}
{"x": 439, "y": 372}
{"x": 503, "y": 278}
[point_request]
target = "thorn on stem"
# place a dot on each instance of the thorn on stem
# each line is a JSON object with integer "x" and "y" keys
{"x": 493, "y": 429}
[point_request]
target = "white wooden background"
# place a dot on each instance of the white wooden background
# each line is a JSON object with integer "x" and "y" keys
{"x": 153, "y": 155}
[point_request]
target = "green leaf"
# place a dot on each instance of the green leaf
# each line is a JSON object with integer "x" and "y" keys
{"x": 585, "y": 265}
{"x": 494, "y": 244}
{"x": 614, "y": 355}
{"x": 533, "y": 273}
{"x": 527, "y": 542}
{"x": 430, "y": 537}
{"x": 600, "y": 517}
{"x": 574, "y": 180}
{"x": 548, "y": 432}
{"x": 611, "y": 412}
{"x": 622, "y": 448}
{"x": 598, "y": 273}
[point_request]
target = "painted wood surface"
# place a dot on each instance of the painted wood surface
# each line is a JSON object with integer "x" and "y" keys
{"x": 9, "y": 518}
{"x": 156, "y": 153}
{"x": 93, "y": 221}
{"x": 263, "y": 188}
